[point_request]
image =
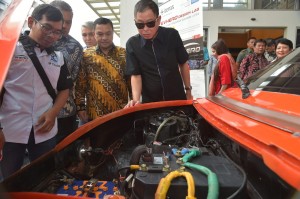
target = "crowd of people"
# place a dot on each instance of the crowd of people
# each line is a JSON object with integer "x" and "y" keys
{"x": 223, "y": 70}
{"x": 99, "y": 78}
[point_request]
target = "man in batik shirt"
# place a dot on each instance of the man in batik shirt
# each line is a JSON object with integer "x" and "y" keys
{"x": 245, "y": 52}
{"x": 255, "y": 61}
{"x": 72, "y": 51}
{"x": 102, "y": 86}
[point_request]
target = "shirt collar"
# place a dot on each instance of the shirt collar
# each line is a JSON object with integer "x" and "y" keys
{"x": 158, "y": 37}
{"x": 98, "y": 49}
{"x": 258, "y": 55}
{"x": 62, "y": 41}
{"x": 249, "y": 50}
{"x": 64, "y": 38}
{"x": 33, "y": 43}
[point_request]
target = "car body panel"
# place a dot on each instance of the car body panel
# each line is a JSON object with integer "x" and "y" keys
{"x": 266, "y": 123}
{"x": 269, "y": 100}
{"x": 11, "y": 25}
{"x": 279, "y": 149}
{"x": 101, "y": 120}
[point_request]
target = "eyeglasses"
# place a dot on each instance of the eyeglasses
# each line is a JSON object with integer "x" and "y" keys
{"x": 47, "y": 29}
{"x": 149, "y": 24}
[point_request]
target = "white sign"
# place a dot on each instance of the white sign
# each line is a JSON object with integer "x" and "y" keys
{"x": 186, "y": 16}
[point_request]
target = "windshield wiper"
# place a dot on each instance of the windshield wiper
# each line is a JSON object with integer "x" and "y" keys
{"x": 243, "y": 87}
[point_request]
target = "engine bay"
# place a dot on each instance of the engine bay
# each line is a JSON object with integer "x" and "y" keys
{"x": 165, "y": 153}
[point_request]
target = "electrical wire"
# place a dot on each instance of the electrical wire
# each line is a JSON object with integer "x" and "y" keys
{"x": 162, "y": 125}
{"x": 241, "y": 170}
{"x": 124, "y": 184}
{"x": 165, "y": 183}
{"x": 213, "y": 184}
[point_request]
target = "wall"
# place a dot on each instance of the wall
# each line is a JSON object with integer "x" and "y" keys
{"x": 214, "y": 19}
{"x": 234, "y": 40}
{"x": 238, "y": 41}
{"x": 267, "y": 33}
{"x": 287, "y": 20}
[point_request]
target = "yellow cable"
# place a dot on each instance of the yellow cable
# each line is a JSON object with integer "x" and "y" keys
{"x": 134, "y": 167}
{"x": 164, "y": 184}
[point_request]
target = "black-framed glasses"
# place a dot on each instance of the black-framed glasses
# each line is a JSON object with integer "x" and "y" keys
{"x": 149, "y": 24}
{"x": 47, "y": 29}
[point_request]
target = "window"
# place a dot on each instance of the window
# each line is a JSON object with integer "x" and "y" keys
{"x": 298, "y": 38}
{"x": 3, "y": 6}
{"x": 225, "y": 4}
{"x": 282, "y": 76}
{"x": 247, "y": 4}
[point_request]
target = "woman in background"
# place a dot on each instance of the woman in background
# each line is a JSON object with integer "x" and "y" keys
{"x": 283, "y": 47}
{"x": 224, "y": 72}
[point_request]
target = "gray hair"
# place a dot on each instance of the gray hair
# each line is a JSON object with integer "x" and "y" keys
{"x": 88, "y": 24}
{"x": 62, "y": 5}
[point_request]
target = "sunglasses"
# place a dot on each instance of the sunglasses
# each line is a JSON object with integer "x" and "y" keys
{"x": 149, "y": 24}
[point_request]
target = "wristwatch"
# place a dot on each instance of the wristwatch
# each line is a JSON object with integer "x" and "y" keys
{"x": 188, "y": 88}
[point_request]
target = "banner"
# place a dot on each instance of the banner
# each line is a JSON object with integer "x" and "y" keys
{"x": 186, "y": 16}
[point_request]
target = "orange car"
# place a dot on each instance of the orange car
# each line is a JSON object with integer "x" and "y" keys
{"x": 243, "y": 143}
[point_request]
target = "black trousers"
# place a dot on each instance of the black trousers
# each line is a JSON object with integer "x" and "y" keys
{"x": 66, "y": 126}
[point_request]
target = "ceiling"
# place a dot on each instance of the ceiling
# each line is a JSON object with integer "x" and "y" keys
{"x": 109, "y": 9}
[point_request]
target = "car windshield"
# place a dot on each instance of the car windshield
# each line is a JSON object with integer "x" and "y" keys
{"x": 281, "y": 76}
{"x": 3, "y": 6}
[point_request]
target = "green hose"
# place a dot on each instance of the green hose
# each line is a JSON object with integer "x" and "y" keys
{"x": 213, "y": 184}
{"x": 190, "y": 155}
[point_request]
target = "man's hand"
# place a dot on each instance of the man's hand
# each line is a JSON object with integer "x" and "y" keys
{"x": 188, "y": 94}
{"x": 83, "y": 116}
{"x": 2, "y": 139}
{"x": 46, "y": 121}
{"x": 132, "y": 103}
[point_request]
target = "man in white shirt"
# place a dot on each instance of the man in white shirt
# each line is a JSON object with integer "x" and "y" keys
{"x": 28, "y": 114}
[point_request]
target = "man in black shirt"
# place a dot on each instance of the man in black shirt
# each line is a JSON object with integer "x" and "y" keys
{"x": 156, "y": 59}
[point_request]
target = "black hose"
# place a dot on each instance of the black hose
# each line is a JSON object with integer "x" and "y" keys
{"x": 137, "y": 153}
{"x": 123, "y": 168}
{"x": 241, "y": 170}
{"x": 124, "y": 184}
{"x": 134, "y": 160}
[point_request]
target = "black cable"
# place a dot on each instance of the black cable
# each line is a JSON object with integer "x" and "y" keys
{"x": 133, "y": 194}
{"x": 137, "y": 153}
{"x": 123, "y": 168}
{"x": 241, "y": 170}
{"x": 176, "y": 138}
{"x": 124, "y": 184}
{"x": 122, "y": 187}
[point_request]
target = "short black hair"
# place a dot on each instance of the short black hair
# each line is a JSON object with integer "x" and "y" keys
{"x": 51, "y": 13}
{"x": 251, "y": 38}
{"x": 104, "y": 21}
{"x": 260, "y": 41}
{"x": 142, "y": 5}
{"x": 284, "y": 41}
{"x": 270, "y": 42}
{"x": 62, "y": 5}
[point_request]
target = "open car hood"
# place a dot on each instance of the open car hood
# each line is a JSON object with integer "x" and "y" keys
{"x": 262, "y": 131}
